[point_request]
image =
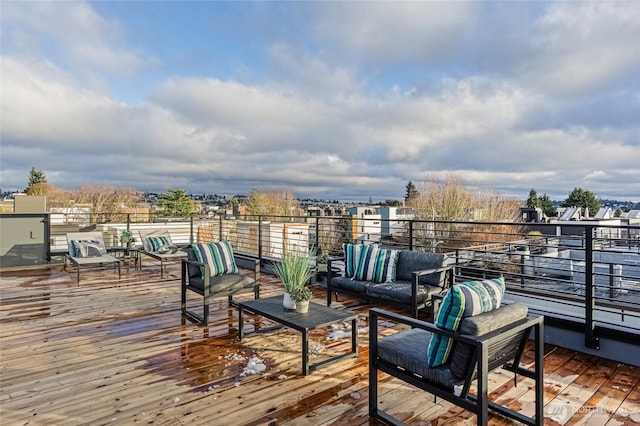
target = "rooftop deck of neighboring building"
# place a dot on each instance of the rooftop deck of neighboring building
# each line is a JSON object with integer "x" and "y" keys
{"x": 112, "y": 351}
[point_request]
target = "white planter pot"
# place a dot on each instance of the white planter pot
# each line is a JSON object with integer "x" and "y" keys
{"x": 287, "y": 302}
{"x": 302, "y": 307}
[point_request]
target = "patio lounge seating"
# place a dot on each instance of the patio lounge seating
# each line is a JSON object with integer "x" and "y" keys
{"x": 212, "y": 271}
{"x": 87, "y": 249}
{"x": 415, "y": 278}
{"x": 158, "y": 245}
{"x": 480, "y": 344}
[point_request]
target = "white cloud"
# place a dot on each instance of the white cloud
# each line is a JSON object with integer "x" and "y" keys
{"x": 381, "y": 32}
{"x": 327, "y": 128}
{"x": 72, "y": 33}
{"x": 584, "y": 46}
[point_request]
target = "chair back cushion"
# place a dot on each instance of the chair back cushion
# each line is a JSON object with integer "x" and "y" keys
{"x": 219, "y": 257}
{"x": 376, "y": 264}
{"x": 479, "y": 325}
{"x": 461, "y": 301}
{"x": 410, "y": 261}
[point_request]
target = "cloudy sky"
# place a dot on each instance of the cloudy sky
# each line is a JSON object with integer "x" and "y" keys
{"x": 335, "y": 100}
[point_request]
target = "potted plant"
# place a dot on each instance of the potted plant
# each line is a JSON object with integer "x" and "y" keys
{"x": 294, "y": 271}
{"x": 301, "y": 296}
{"x": 126, "y": 238}
{"x": 321, "y": 262}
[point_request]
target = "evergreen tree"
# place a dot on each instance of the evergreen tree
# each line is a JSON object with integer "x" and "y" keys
{"x": 533, "y": 200}
{"x": 176, "y": 203}
{"x": 547, "y": 206}
{"x": 35, "y": 177}
{"x": 411, "y": 193}
{"x": 582, "y": 198}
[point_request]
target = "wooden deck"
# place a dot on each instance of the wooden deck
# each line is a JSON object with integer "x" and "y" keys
{"x": 112, "y": 351}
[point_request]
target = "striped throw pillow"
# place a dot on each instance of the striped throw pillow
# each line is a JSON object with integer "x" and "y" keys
{"x": 154, "y": 243}
{"x": 219, "y": 257}
{"x": 377, "y": 265}
{"x": 462, "y": 300}
{"x": 351, "y": 258}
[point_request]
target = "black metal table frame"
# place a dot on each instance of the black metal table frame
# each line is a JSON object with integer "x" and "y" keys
{"x": 124, "y": 253}
{"x": 317, "y": 317}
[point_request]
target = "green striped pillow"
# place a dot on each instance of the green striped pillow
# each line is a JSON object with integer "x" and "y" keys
{"x": 462, "y": 300}
{"x": 377, "y": 265}
{"x": 351, "y": 258}
{"x": 153, "y": 244}
{"x": 219, "y": 257}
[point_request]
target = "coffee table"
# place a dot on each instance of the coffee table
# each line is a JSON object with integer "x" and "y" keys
{"x": 317, "y": 317}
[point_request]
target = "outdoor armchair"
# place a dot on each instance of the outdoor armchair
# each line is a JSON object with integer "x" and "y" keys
{"x": 87, "y": 250}
{"x": 212, "y": 271}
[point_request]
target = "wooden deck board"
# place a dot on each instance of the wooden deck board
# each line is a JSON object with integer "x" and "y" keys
{"x": 111, "y": 351}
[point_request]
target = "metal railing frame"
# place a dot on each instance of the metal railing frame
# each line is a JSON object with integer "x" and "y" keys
{"x": 459, "y": 238}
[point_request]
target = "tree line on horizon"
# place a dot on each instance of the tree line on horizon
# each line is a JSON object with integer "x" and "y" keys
{"x": 443, "y": 199}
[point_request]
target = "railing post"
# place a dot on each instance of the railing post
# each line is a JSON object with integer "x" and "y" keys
{"x": 190, "y": 229}
{"x": 591, "y": 340}
{"x": 318, "y": 235}
{"x": 611, "y": 292}
{"x": 411, "y": 235}
{"x": 220, "y": 228}
{"x": 260, "y": 238}
{"x": 47, "y": 235}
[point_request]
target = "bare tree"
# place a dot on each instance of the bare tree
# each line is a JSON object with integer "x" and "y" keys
{"x": 106, "y": 201}
{"x": 447, "y": 202}
{"x": 273, "y": 203}
{"x": 447, "y": 199}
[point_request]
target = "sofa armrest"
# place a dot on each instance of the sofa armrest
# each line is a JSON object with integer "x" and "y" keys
{"x": 444, "y": 282}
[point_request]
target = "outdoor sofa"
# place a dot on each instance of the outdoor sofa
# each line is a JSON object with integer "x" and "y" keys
{"x": 402, "y": 278}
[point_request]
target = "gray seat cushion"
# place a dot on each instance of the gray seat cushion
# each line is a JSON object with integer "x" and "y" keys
{"x": 410, "y": 261}
{"x": 348, "y": 284}
{"x": 225, "y": 284}
{"x": 408, "y": 349}
{"x": 400, "y": 292}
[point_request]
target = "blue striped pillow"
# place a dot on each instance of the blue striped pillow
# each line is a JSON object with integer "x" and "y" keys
{"x": 377, "y": 265}
{"x": 351, "y": 258}
{"x": 462, "y": 300}
{"x": 154, "y": 243}
{"x": 219, "y": 257}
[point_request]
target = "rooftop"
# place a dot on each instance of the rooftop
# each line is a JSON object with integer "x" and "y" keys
{"x": 112, "y": 351}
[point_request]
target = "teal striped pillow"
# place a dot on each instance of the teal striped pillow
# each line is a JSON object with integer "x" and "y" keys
{"x": 219, "y": 257}
{"x": 351, "y": 258}
{"x": 154, "y": 243}
{"x": 462, "y": 300}
{"x": 377, "y": 265}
